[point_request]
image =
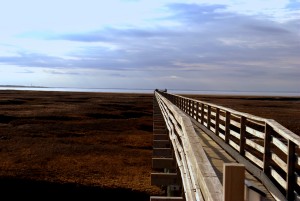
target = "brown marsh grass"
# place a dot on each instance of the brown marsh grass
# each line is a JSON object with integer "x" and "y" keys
{"x": 76, "y": 144}
{"x": 86, "y": 145}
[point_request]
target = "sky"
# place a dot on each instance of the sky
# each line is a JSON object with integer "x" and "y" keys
{"x": 148, "y": 44}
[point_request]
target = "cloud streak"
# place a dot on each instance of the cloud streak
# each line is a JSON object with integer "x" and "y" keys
{"x": 207, "y": 42}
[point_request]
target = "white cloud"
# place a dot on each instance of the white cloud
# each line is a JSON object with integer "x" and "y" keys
{"x": 155, "y": 44}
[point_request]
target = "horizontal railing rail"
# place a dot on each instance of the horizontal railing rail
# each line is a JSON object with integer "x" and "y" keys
{"x": 199, "y": 179}
{"x": 272, "y": 148}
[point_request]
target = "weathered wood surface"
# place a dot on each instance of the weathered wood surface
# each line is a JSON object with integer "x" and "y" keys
{"x": 196, "y": 165}
{"x": 159, "y": 179}
{"x": 218, "y": 156}
{"x": 237, "y": 129}
{"x": 233, "y": 182}
{"x": 161, "y": 198}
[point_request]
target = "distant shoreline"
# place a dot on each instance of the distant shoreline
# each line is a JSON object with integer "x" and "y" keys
{"x": 136, "y": 90}
{"x": 21, "y": 86}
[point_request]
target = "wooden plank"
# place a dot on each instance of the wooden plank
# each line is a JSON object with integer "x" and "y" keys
{"x": 227, "y": 127}
{"x": 235, "y": 134}
{"x": 242, "y": 135}
{"x": 213, "y": 121}
{"x": 254, "y": 145}
{"x": 202, "y": 113}
{"x": 161, "y": 143}
{"x": 234, "y": 145}
{"x": 217, "y": 122}
{"x": 278, "y": 178}
{"x": 161, "y": 163}
{"x": 202, "y": 170}
{"x": 279, "y": 144}
{"x": 257, "y": 172}
{"x": 163, "y": 127}
{"x": 255, "y": 132}
{"x": 284, "y": 132}
{"x": 222, "y": 127}
{"x": 233, "y": 181}
{"x": 162, "y": 198}
{"x": 197, "y": 111}
{"x": 222, "y": 118}
{"x": 162, "y": 152}
{"x": 290, "y": 178}
{"x": 254, "y": 159}
{"x": 267, "y": 150}
{"x": 203, "y": 175}
{"x": 235, "y": 123}
{"x": 159, "y": 131}
{"x": 164, "y": 179}
{"x": 161, "y": 137}
{"x": 256, "y": 122}
{"x": 252, "y": 192}
{"x": 279, "y": 162}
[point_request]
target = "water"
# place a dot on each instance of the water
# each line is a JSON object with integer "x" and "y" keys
{"x": 150, "y": 91}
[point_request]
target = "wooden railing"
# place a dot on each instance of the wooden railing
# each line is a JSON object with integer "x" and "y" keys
{"x": 199, "y": 179}
{"x": 269, "y": 150}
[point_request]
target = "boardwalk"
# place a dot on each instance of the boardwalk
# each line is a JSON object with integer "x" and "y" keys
{"x": 218, "y": 156}
{"x": 193, "y": 140}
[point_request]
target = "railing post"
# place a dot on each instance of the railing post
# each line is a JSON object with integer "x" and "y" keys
{"x": 189, "y": 108}
{"x": 267, "y": 149}
{"x": 233, "y": 182}
{"x": 197, "y": 112}
{"x": 227, "y": 126}
{"x": 193, "y": 109}
{"x": 290, "y": 177}
{"x": 202, "y": 113}
{"x": 181, "y": 103}
{"x": 217, "y": 121}
{"x": 208, "y": 116}
{"x": 242, "y": 135}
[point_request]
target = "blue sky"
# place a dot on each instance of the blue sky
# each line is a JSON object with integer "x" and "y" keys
{"x": 179, "y": 44}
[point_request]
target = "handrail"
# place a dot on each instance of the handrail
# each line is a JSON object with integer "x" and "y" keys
{"x": 198, "y": 176}
{"x": 268, "y": 145}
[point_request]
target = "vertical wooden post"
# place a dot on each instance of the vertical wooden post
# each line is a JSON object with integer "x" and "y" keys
{"x": 290, "y": 177}
{"x": 227, "y": 126}
{"x": 180, "y": 103}
{"x": 202, "y": 113}
{"x": 233, "y": 182}
{"x": 267, "y": 149}
{"x": 242, "y": 135}
{"x": 197, "y": 112}
{"x": 181, "y": 100}
{"x": 193, "y": 109}
{"x": 208, "y": 116}
{"x": 217, "y": 121}
{"x": 189, "y": 109}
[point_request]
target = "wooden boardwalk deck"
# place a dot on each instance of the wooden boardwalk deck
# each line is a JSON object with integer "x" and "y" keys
{"x": 219, "y": 156}
{"x": 207, "y": 138}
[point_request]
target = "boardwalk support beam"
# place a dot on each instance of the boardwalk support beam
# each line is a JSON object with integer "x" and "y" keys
{"x": 162, "y": 198}
{"x": 161, "y": 163}
{"x": 164, "y": 179}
